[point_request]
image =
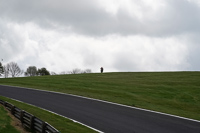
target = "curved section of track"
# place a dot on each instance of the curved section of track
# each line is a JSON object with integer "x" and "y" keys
{"x": 106, "y": 117}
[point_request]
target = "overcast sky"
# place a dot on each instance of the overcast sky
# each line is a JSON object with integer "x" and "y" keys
{"x": 119, "y": 35}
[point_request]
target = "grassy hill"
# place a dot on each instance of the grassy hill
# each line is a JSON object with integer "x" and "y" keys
{"x": 175, "y": 93}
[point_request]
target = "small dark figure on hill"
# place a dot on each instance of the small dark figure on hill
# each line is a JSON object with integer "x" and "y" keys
{"x": 101, "y": 69}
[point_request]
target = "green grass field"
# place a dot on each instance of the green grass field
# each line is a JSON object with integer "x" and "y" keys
{"x": 176, "y": 93}
{"x": 5, "y": 122}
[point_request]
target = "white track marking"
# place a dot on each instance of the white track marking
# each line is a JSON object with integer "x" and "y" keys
{"x": 58, "y": 115}
{"x": 110, "y": 103}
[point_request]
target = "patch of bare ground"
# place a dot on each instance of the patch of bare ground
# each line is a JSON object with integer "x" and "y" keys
{"x": 16, "y": 123}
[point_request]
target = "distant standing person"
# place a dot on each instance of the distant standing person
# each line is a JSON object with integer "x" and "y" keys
{"x": 101, "y": 69}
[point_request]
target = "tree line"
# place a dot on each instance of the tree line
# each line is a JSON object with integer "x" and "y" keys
{"x": 12, "y": 69}
{"x": 33, "y": 71}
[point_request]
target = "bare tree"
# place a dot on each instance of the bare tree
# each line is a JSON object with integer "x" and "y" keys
{"x": 76, "y": 71}
{"x": 31, "y": 71}
{"x": 14, "y": 69}
{"x": 6, "y": 71}
{"x": 1, "y": 69}
{"x": 87, "y": 71}
{"x": 53, "y": 73}
{"x": 79, "y": 71}
{"x": 63, "y": 73}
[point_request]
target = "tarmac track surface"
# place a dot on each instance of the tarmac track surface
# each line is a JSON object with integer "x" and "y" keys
{"x": 106, "y": 117}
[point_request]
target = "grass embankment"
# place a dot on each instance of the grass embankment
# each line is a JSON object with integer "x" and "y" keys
{"x": 62, "y": 124}
{"x": 5, "y": 122}
{"x": 175, "y": 93}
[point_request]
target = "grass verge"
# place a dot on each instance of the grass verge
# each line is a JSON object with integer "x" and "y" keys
{"x": 62, "y": 124}
{"x": 176, "y": 93}
{"x": 5, "y": 122}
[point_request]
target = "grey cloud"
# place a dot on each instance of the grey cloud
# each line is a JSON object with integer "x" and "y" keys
{"x": 193, "y": 59}
{"x": 86, "y": 17}
{"x": 194, "y": 48}
{"x": 124, "y": 64}
{"x": 11, "y": 42}
{"x": 181, "y": 17}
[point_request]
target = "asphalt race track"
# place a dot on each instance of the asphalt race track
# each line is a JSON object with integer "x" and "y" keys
{"x": 106, "y": 117}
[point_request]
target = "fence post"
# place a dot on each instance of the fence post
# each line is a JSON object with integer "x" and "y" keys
{"x": 5, "y": 104}
{"x": 32, "y": 122}
{"x": 43, "y": 127}
{"x": 21, "y": 116}
{"x": 13, "y": 110}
